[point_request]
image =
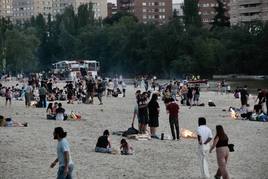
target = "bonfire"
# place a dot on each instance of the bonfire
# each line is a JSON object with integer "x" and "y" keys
{"x": 185, "y": 133}
{"x": 233, "y": 114}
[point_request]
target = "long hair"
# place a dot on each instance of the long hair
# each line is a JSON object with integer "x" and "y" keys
{"x": 220, "y": 133}
{"x": 154, "y": 97}
{"x": 60, "y": 132}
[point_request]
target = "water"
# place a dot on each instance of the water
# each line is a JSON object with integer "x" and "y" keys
{"x": 253, "y": 85}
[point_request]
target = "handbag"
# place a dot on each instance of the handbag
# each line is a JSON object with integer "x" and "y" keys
{"x": 231, "y": 147}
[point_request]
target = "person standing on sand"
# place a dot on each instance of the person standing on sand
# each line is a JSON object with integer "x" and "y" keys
{"x": 8, "y": 95}
{"x": 244, "y": 97}
{"x": 266, "y": 96}
{"x": 204, "y": 136}
{"x": 63, "y": 155}
{"x": 153, "y": 108}
{"x": 173, "y": 110}
{"x": 28, "y": 94}
{"x": 222, "y": 151}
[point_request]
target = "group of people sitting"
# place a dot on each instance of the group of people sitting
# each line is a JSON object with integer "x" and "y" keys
{"x": 56, "y": 112}
{"x": 104, "y": 145}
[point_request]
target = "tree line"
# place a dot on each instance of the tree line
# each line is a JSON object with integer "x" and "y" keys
{"x": 125, "y": 46}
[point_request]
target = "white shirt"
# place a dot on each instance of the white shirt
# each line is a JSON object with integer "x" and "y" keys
{"x": 63, "y": 146}
{"x": 204, "y": 132}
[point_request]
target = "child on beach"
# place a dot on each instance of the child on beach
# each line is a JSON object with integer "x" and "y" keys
{"x": 125, "y": 148}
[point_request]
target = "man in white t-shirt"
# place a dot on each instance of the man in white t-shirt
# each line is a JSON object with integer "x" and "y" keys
{"x": 204, "y": 135}
{"x": 64, "y": 155}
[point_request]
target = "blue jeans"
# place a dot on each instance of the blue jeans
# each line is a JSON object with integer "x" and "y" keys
{"x": 103, "y": 150}
{"x": 61, "y": 172}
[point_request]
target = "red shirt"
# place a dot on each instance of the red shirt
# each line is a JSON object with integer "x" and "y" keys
{"x": 173, "y": 109}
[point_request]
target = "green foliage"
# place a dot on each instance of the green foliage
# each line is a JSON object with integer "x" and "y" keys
{"x": 190, "y": 11}
{"x": 20, "y": 47}
{"x": 122, "y": 45}
{"x": 220, "y": 19}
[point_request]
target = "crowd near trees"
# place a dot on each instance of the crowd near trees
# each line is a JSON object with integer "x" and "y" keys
{"x": 123, "y": 45}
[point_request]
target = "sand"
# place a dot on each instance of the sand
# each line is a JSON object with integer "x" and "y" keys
{"x": 26, "y": 153}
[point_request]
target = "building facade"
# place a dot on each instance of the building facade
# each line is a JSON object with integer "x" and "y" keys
{"x": 207, "y": 10}
{"x": 148, "y": 11}
{"x": 245, "y": 11}
{"x": 178, "y": 8}
{"x": 111, "y": 9}
{"x": 6, "y": 9}
{"x": 23, "y": 10}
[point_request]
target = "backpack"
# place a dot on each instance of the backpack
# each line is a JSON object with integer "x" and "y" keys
{"x": 130, "y": 131}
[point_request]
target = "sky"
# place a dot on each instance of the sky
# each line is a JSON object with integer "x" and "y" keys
{"x": 174, "y": 1}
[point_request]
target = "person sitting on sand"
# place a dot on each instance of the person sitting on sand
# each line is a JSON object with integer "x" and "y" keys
{"x": 8, "y": 122}
{"x": 103, "y": 144}
{"x": 125, "y": 148}
{"x": 54, "y": 108}
{"x": 50, "y": 114}
{"x": 60, "y": 112}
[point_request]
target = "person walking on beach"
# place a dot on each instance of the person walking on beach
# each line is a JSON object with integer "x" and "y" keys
{"x": 100, "y": 89}
{"x": 63, "y": 155}
{"x": 222, "y": 152}
{"x": 173, "y": 110}
{"x": 204, "y": 136}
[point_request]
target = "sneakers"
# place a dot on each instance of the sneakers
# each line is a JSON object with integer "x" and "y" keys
{"x": 217, "y": 177}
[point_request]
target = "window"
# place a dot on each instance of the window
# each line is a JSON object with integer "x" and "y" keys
{"x": 144, "y": 4}
{"x": 144, "y": 17}
{"x": 143, "y": 10}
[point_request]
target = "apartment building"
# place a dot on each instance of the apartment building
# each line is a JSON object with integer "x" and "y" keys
{"x": 207, "y": 10}
{"x": 111, "y": 9}
{"x": 245, "y": 11}
{"x": 22, "y": 10}
{"x": 148, "y": 11}
{"x": 6, "y": 8}
{"x": 178, "y": 7}
{"x": 99, "y": 7}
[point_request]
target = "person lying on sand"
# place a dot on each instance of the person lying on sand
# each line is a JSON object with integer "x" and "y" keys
{"x": 125, "y": 148}
{"x": 8, "y": 122}
{"x": 103, "y": 144}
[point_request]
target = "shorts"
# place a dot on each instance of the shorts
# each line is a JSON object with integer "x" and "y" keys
{"x": 8, "y": 99}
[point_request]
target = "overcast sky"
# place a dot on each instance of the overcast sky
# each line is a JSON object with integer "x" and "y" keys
{"x": 174, "y": 1}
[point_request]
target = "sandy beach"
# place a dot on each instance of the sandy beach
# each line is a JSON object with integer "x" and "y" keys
{"x": 26, "y": 152}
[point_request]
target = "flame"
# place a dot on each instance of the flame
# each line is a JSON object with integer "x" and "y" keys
{"x": 234, "y": 115}
{"x": 185, "y": 133}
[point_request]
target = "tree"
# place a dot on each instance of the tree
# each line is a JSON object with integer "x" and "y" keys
{"x": 85, "y": 15}
{"x": 191, "y": 15}
{"x": 20, "y": 50}
{"x": 220, "y": 19}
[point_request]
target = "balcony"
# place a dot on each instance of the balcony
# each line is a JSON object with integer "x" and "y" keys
{"x": 249, "y": 18}
{"x": 249, "y": 9}
{"x": 244, "y": 2}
